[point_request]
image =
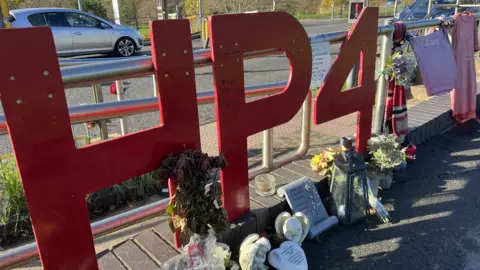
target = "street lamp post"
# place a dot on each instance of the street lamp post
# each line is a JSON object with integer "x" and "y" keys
{"x": 162, "y": 7}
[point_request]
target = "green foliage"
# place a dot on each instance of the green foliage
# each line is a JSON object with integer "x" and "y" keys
{"x": 386, "y": 152}
{"x": 191, "y": 7}
{"x": 15, "y": 4}
{"x": 14, "y": 214}
{"x": 95, "y": 7}
{"x": 197, "y": 204}
{"x": 13, "y": 205}
{"x": 337, "y": 3}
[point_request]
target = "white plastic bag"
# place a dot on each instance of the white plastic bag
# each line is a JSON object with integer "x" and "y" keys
{"x": 201, "y": 253}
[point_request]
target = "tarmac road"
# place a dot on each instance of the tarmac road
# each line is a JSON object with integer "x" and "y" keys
{"x": 436, "y": 222}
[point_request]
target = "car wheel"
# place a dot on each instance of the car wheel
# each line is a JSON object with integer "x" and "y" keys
{"x": 125, "y": 47}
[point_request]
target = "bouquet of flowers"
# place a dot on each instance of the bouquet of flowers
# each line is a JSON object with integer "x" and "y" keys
{"x": 323, "y": 163}
{"x": 401, "y": 68}
{"x": 386, "y": 152}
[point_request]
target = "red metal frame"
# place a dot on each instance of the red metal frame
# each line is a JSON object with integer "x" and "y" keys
{"x": 57, "y": 176}
{"x": 330, "y": 103}
{"x": 231, "y": 36}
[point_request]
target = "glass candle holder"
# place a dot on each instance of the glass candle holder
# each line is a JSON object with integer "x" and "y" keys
{"x": 265, "y": 184}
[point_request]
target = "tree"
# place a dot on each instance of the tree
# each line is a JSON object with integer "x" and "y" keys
{"x": 338, "y": 3}
{"x": 191, "y": 7}
{"x": 232, "y": 6}
{"x": 15, "y": 4}
{"x": 129, "y": 11}
{"x": 95, "y": 7}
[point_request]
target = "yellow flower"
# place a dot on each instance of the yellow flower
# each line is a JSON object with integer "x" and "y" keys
{"x": 329, "y": 156}
{"x": 323, "y": 164}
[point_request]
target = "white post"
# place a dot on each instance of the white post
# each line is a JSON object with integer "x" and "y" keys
{"x": 123, "y": 119}
{"x": 333, "y": 10}
{"x": 80, "y": 5}
{"x": 116, "y": 11}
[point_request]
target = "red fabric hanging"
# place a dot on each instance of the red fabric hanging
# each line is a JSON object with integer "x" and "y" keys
{"x": 396, "y": 116}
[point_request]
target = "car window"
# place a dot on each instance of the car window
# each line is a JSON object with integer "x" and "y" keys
{"x": 37, "y": 19}
{"x": 81, "y": 20}
{"x": 104, "y": 25}
{"x": 56, "y": 19}
{"x": 11, "y": 18}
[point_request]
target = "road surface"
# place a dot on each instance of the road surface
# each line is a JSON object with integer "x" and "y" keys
{"x": 436, "y": 222}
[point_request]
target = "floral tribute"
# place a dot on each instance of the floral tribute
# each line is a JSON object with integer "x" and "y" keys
{"x": 197, "y": 204}
{"x": 323, "y": 163}
{"x": 401, "y": 67}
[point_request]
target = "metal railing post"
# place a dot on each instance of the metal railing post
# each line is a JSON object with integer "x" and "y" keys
{"x": 429, "y": 9}
{"x": 98, "y": 98}
{"x": 352, "y": 79}
{"x": 267, "y": 149}
{"x": 395, "y": 6}
{"x": 123, "y": 119}
{"x": 154, "y": 86}
{"x": 382, "y": 81}
{"x": 306, "y": 125}
{"x": 456, "y": 6}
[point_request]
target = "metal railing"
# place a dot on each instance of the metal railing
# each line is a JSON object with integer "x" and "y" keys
{"x": 84, "y": 72}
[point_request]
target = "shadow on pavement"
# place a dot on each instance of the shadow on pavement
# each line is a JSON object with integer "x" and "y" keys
{"x": 436, "y": 218}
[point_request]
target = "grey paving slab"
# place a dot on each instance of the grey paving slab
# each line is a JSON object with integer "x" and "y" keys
{"x": 287, "y": 174}
{"x": 305, "y": 162}
{"x": 434, "y": 106}
{"x": 423, "y": 114}
{"x": 273, "y": 203}
{"x": 163, "y": 230}
{"x": 108, "y": 261}
{"x": 132, "y": 256}
{"x": 157, "y": 248}
{"x": 419, "y": 116}
{"x": 303, "y": 171}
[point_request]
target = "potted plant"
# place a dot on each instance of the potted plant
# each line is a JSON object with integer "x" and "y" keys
{"x": 386, "y": 155}
{"x": 323, "y": 163}
{"x": 197, "y": 204}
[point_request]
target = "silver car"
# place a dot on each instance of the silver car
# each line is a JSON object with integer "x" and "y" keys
{"x": 76, "y": 32}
